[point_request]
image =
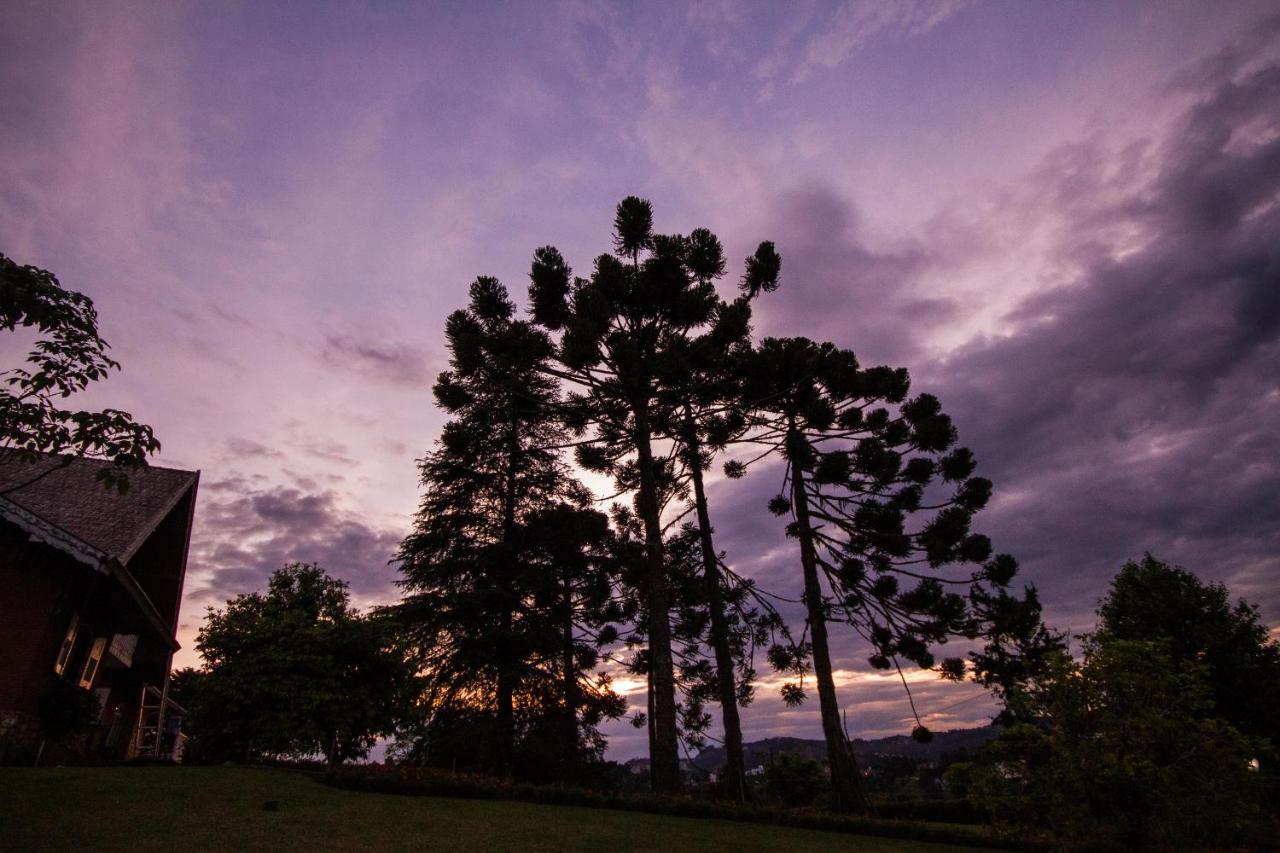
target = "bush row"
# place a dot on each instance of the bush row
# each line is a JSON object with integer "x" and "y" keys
{"x": 935, "y": 811}
{"x": 438, "y": 783}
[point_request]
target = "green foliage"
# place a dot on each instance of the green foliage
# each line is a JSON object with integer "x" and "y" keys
{"x": 67, "y": 357}
{"x": 763, "y": 269}
{"x": 868, "y": 455}
{"x": 881, "y": 503}
{"x": 1019, "y": 646}
{"x": 745, "y": 624}
{"x": 632, "y": 226}
{"x": 1123, "y": 746}
{"x": 959, "y": 779}
{"x": 294, "y": 672}
{"x": 794, "y": 781}
{"x": 460, "y": 739}
{"x": 1150, "y": 600}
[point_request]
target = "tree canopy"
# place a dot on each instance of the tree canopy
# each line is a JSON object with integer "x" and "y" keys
{"x": 295, "y": 671}
{"x": 1149, "y": 600}
{"x": 1123, "y": 746}
{"x": 519, "y": 594}
{"x": 1157, "y": 736}
{"x": 66, "y": 358}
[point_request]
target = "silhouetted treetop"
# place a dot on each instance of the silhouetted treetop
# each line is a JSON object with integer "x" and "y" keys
{"x": 631, "y": 336}
{"x": 632, "y": 226}
{"x": 762, "y": 272}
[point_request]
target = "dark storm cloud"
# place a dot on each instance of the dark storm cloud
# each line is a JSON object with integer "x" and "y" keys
{"x": 1138, "y": 407}
{"x": 248, "y": 533}
{"x": 1134, "y": 406}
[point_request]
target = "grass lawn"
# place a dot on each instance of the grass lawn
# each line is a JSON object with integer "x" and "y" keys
{"x": 221, "y": 808}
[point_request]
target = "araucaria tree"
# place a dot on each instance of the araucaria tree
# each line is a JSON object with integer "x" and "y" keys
{"x": 623, "y": 329}
{"x": 475, "y": 560}
{"x": 710, "y": 653}
{"x": 701, "y": 381}
{"x": 880, "y": 502}
{"x": 69, "y": 355}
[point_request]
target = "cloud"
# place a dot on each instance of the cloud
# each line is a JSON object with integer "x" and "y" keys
{"x": 857, "y": 22}
{"x": 837, "y": 287}
{"x": 816, "y": 37}
{"x": 245, "y": 533}
{"x": 329, "y": 451}
{"x": 1126, "y": 401}
{"x": 398, "y": 364}
{"x": 1137, "y": 405}
{"x": 244, "y": 448}
{"x": 1102, "y": 327}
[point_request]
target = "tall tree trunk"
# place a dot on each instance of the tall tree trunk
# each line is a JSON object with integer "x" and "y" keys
{"x": 846, "y": 787}
{"x": 506, "y": 719}
{"x": 506, "y": 715}
{"x": 653, "y": 734}
{"x": 735, "y": 778}
{"x": 570, "y": 675}
{"x": 664, "y": 754}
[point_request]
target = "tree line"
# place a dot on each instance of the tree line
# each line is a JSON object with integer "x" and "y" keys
{"x": 518, "y": 588}
{"x": 524, "y": 594}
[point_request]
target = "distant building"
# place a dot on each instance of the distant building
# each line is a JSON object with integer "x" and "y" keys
{"x": 90, "y": 586}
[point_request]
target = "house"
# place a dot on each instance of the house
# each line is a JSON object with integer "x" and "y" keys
{"x": 90, "y": 586}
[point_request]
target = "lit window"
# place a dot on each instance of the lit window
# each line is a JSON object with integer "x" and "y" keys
{"x": 68, "y": 643}
{"x": 91, "y": 665}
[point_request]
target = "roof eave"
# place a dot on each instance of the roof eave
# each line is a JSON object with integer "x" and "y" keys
{"x": 43, "y": 531}
{"x": 160, "y": 515}
{"x": 50, "y": 534}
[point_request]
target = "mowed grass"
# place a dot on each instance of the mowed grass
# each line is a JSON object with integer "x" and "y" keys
{"x": 221, "y": 808}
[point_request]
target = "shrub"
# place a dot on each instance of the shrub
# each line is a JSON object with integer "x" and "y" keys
{"x": 1124, "y": 749}
{"x": 794, "y": 781}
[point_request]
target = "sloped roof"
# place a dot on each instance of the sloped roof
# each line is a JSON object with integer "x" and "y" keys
{"x": 62, "y": 493}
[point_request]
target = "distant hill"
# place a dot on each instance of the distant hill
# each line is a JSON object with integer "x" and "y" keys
{"x": 757, "y": 752}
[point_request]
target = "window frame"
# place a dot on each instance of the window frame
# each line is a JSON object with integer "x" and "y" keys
{"x": 93, "y": 662}
{"x": 63, "y": 660}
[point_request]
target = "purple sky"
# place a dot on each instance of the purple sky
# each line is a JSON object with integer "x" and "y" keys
{"x": 1063, "y": 218}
